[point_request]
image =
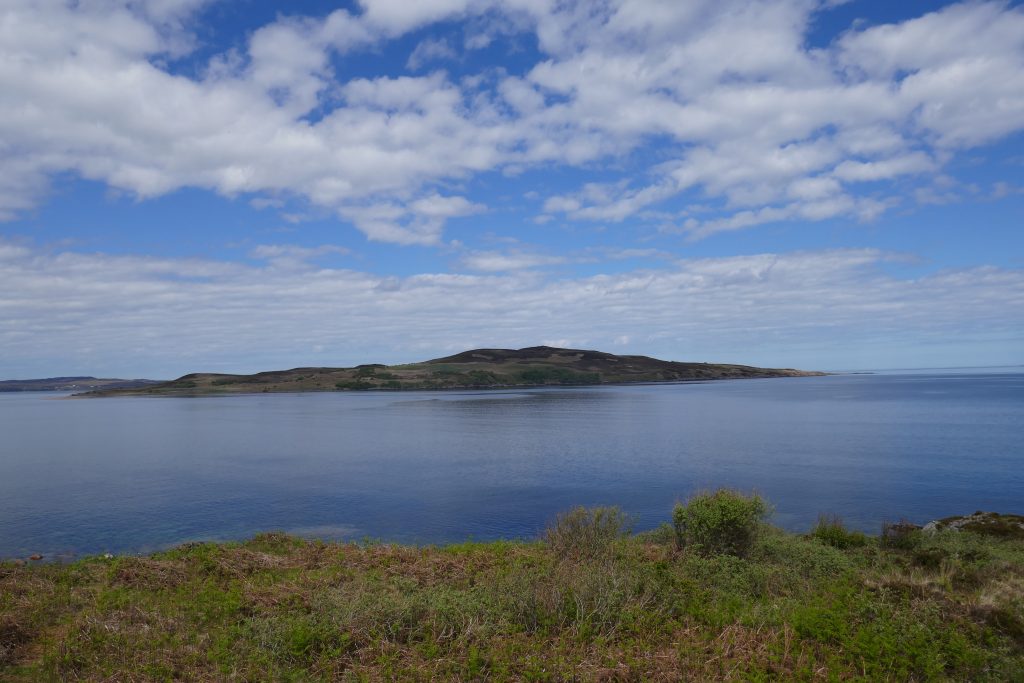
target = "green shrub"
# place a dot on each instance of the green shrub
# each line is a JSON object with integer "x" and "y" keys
{"x": 586, "y": 533}
{"x": 930, "y": 558}
{"x": 559, "y": 376}
{"x": 830, "y": 531}
{"x": 801, "y": 557}
{"x": 354, "y": 386}
{"x": 722, "y": 522}
{"x": 485, "y": 377}
{"x": 663, "y": 534}
{"x": 903, "y": 535}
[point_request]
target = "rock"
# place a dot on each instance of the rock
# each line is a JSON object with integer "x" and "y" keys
{"x": 35, "y": 557}
{"x": 984, "y": 523}
{"x": 931, "y": 527}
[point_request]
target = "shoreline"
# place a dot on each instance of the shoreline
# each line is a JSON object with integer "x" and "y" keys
{"x": 987, "y": 523}
{"x": 117, "y": 393}
{"x": 586, "y": 602}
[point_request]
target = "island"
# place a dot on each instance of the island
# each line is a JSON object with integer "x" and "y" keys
{"x": 476, "y": 369}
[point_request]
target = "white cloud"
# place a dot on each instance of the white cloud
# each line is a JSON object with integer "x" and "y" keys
{"x": 416, "y": 222}
{"x": 69, "y": 311}
{"x": 884, "y": 169}
{"x": 398, "y": 16}
{"x": 740, "y": 112}
{"x": 429, "y": 50}
{"x": 289, "y": 63}
{"x": 761, "y": 115}
{"x": 501, "y": 261}
{"x": 959, "y": 31}
{"x": 814, "y": 187}
{"x": 293, "y": 256}
{"x": 170, "y": 11}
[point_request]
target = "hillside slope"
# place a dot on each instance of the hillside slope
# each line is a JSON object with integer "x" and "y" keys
{"x": 475, "y": 369}
{"x": 73, "y": 384}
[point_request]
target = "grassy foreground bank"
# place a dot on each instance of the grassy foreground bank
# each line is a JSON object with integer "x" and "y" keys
{"x": 588, "y": 602}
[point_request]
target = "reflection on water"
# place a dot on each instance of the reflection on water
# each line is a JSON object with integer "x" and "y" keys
{"x": 136, "y": 474}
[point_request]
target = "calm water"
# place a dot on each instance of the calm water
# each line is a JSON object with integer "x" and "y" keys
{"x": 137, "y": 474}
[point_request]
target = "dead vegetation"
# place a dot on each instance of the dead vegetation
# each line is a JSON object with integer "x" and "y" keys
{"x": 588, "y": 604}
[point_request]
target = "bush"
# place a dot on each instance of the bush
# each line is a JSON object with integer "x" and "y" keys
{"x": 800, "y": 558}
{"x": 724, "y": 522}
{"x": 354, "y": 386}
{"x": 663, "y": 534}
{"x": 830, "y": 531}
{"x": 559, "y": 376}
{"x": 587, "y": 533}
{"x": 903, "y": 535}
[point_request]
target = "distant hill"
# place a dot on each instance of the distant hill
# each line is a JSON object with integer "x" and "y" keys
{"x": 74, "y": 384}
{"x": 476, "y": 369}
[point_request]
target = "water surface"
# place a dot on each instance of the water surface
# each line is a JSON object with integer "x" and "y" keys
{"x": 137, "y": 474}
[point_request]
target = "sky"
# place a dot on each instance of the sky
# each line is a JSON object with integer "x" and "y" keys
{"x": 204, "y": 185}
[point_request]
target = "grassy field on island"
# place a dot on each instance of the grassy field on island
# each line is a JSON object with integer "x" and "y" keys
{"x": 714, "y": 595}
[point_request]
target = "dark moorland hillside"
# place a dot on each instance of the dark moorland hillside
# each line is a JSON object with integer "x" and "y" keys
{"x": 73, "y": 384}
{"x": 476, "y": 369}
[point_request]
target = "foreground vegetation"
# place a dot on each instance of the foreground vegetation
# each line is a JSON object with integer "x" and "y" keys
{"x": 719, "y": 595}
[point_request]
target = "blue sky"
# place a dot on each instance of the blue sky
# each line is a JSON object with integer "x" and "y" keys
{"x": 200, "y": 185}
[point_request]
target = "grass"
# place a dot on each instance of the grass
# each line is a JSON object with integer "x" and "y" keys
{"x": 588, "y": 603}
{"x": 830, "y": 530}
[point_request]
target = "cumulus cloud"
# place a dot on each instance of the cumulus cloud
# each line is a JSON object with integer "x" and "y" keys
{"x": 415, "y": 222}
{"x": 719, "y": 102}
{"x": 91, "y": 312}
{"x": 500, "y": 261}
{"x": 397, "y": 16}
{"x": 428, "y": 51}
{"x": 293, "y": 256}
{"x": 761, "y": 121}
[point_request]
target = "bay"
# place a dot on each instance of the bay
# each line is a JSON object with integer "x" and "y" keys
{"x": 138, "y": 474}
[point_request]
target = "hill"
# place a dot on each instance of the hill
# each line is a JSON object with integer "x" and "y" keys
{"x": 476, "y": 369}
{"x": 73, "y": 384}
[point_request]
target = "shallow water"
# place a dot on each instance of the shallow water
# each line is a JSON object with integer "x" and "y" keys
{"x": 137, "y": 474}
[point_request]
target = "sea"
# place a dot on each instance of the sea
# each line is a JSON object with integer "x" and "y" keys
{"x": 135, "y": 475}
